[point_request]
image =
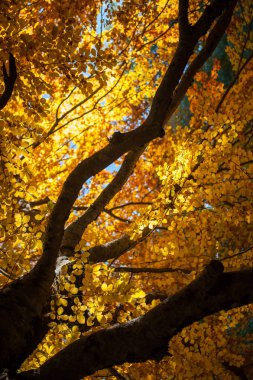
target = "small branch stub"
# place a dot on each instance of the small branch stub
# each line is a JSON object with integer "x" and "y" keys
{"x": 116, "y": 138}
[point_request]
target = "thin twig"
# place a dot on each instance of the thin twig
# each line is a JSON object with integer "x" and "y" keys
{"x": 238, "y": 254}
{"x": 150, "y": 270}
{"x": 233, "y": 82}
{"x": 6, "y": 274}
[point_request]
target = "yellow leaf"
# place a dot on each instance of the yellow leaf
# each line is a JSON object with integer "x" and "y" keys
{"x": 63, "y": 302}
{"x": 18, "y": 220}
{"x": 90, "y": 321}
{"x": 73, "y": 290}
{"x": 80, "y": 318}
{"x": 139, "y": 294}
{"x": 64, "y": 317}
{"x": 72, "y": 318}
{"x": 26, "y": 218}
{"x": 39, "y": 217}
{"x": 60, "y": 310}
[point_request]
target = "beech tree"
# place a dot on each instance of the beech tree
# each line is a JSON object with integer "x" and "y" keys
{"x": 126, "y": 189}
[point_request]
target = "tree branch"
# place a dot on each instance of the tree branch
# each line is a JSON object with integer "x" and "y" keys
{"x": 114, "y": 249}
{"x": 233, "y": 82}
{"x": 211, "y": 43}
{"x": 130, "y": 204}
{"x": 183, "y": 18}
{"x": 147, "y": 337}
{"x": 149, "y": 130}
{"x": 40, "y": 202}
{"x": 109, "y": 212}
{"x": 238, "y": 254}
{"x": 75, "y": 230}
{"x": 151, "y": 270}
{"x": 9, "y": 81}
{"x": 111, "y": 250}
{"x": 116, "y": 374}
{"x": 79, "y": 104}
{"x": 211, "y": 12}
{"x": 164, "y": 102}
{"x": 6, "y": 274}
{"x": 54, "y": 128}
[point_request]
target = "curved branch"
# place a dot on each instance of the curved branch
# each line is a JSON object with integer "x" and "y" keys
{"x": 166, "y": 100}
{"x": 9, "y": 81}
{"x": 147, "y": 337}
{"x": 75, "y": 230}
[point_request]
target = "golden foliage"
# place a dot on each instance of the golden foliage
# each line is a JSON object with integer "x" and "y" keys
{"x": 84, "y": 72}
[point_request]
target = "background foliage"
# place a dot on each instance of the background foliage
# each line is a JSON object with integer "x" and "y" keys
{"x": 85, "y": 70}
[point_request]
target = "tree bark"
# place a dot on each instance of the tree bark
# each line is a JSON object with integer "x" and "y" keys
{"x": 147, "y": 337}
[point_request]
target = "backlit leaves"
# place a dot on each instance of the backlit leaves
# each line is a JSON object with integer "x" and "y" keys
{"x": 81, "y": 78}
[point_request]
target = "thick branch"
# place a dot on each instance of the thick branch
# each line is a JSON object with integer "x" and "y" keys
{"x": 114, "y": 249}
{"x": 212, "y": 42}
{"x": 183, "y": 17}
{"x": 161, "y": 108}
{"x": 211, "y": 12}
{"x": 110, "y": 250}
{"x": 122, "y": 143}
{"x": 75, "y": 230}
{"x": 40, "y": 202}
{"x": 147, "y": 337}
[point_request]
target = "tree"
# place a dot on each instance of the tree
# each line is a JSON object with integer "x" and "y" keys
{"x": 126, "y": 238}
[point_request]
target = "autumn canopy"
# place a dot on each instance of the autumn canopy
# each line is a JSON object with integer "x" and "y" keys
{"x": 126, "y": 167}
